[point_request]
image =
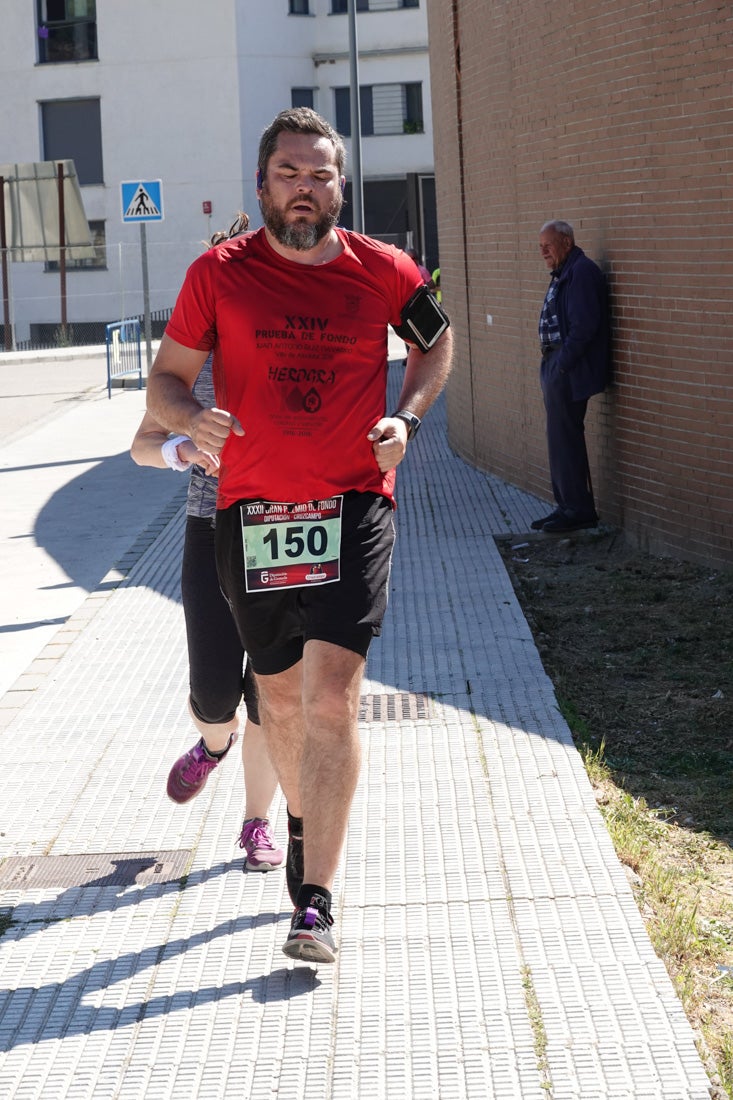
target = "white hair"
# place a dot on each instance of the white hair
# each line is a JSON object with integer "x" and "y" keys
{"x": 558, "y": 226}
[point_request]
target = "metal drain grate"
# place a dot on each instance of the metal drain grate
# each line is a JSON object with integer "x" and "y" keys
{"x": 92, "y": 869}
{"x": 402, "y": 706}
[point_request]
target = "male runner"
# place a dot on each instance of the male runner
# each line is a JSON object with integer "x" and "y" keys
{"x": 296, "y": 314}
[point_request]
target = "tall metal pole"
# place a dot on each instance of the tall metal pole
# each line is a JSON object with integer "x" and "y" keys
{"x": 357, "y": 185}
{"x": 146, "y": 296}
{"x": 62, "y": 251}
{"x": 4, "y": 251}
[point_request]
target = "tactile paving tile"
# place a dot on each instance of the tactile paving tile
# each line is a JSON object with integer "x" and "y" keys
{"x": 476, "y": 863}
{"x": 398, "y": 707}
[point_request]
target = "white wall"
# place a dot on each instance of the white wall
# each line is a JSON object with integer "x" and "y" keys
{"x": 167, "y": 79}
{"x": 170, "y": 111}
{"x": 186, "y": 88}
{"x": 276, "y": 54}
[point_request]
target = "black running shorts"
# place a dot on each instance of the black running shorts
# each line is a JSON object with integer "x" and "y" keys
{"x": 275, "y": 625}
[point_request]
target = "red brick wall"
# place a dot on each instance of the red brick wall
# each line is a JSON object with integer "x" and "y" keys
{"x": 617, "y": 117}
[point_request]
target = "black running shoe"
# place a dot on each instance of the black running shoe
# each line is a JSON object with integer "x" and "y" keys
{"x": 294, "y": 867}
{"x": 310, "y": 938}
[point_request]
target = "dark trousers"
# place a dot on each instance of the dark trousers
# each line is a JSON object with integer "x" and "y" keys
{"x": 215, "y": 652}
{"x": 568, "y": 457}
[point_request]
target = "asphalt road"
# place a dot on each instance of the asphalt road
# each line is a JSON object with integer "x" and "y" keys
{"x": 73, "y": 500}
{"x": 35, "y": 389}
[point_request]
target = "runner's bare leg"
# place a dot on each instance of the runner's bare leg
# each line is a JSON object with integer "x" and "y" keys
{"x": 315, "y": 747}
{"x": 281, "y": 714}
{"x": 331, "y": 756}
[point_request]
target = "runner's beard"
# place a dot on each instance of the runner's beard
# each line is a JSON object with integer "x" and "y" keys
{"x": 299, "y": 235}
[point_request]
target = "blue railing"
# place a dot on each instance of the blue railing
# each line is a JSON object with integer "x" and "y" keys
{"x": 124, "y": 354}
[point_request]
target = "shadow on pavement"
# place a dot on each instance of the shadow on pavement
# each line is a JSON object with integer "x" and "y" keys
{"x": 90, "y": 523}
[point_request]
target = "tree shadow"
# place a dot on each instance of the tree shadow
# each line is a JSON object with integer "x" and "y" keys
{"x": 90, "y": 523}
{"x": 108, "y": 893}
{"x": 57, "y": 1010}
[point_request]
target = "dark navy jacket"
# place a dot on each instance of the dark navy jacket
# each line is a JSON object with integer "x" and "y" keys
{"x": 581, "y": 304}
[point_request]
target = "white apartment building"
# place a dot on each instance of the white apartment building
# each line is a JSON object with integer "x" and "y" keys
{"x": 180, "y": 91}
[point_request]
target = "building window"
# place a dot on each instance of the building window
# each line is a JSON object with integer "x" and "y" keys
{"x": 97, "y": 262}
{"x": 385, "y": 109}
{"x": 301, "y": 97}
{"x": 67, "y": 30}
{"x": 299, "y": 7}
{"x": 342, "y": 98}
{"x": 72, "y": 130}
{"x": 340, "y": 7}
{"x": 342, "y": 108}
{"x": 412, "y": 121}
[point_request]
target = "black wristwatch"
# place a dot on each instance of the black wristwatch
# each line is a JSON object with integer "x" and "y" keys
{"x": 413, "y": 422}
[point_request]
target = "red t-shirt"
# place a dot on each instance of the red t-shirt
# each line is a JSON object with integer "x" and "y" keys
{"x": 300, "y": 358}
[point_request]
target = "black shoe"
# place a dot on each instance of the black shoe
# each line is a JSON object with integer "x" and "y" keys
{"x": 294, "y": 867}
{"x": 538, "y": 524}
{"x": 560, "y": 524}
{"x": 310, "y": 938}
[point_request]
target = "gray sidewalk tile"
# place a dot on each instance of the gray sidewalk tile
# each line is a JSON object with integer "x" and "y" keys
{"x": 477, "y": 869}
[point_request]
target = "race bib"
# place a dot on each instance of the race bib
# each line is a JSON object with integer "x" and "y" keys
{"x": 291, "y": 545}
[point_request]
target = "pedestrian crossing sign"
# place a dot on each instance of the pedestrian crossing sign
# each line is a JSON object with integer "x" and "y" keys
{"x": 142, "y": 201}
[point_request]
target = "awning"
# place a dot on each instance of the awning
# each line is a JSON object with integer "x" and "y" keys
{"x": 32, "y": 212}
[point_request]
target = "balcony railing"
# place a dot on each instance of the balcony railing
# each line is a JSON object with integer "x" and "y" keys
{"x": 71, "y": 41}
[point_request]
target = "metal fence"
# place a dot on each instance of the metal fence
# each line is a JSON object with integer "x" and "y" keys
{"x": 124, "y": 354}
{"x": 98, "y": 293}
{"x": 42, "y": 312}
{"x": 46, "y": 336}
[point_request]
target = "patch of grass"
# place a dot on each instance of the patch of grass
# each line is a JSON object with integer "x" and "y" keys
{"x": 725, "y": 1063}
{"x": 640, "y": 652}
{"x": 534, "y": 1012}
{"x": 670, "y": 893}
{"x": 695, "y": 763}
{"x": 578, "y": 726}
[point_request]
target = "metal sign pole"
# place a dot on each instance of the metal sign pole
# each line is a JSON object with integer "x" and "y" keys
{"x": 4, "y": 251}
{"x": 357, "y": 188}
{"x": 146, "y": 296}
{"x": 142, "y": 201}
{"x": 62, "y": 252}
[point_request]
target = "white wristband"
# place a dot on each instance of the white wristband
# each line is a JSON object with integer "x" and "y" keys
{"x": 169, "y": 451}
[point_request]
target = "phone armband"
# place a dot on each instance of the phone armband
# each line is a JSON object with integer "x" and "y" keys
{"x": 423, "y": 320}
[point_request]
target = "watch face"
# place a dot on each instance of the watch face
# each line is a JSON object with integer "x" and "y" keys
{"x": 412, "y": 421}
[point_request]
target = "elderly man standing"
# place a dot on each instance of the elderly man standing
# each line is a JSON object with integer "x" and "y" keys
{"x": 574, "y": 331}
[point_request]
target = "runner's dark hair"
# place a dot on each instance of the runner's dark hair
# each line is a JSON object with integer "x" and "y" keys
{"x": 299, "y": 120}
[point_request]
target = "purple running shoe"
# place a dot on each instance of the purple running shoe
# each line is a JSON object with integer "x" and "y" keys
{"x": 260, "y": 845}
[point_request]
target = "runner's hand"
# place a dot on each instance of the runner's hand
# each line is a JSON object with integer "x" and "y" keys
{"x": 189, "y": 452}
{"x": 210, "y": 429}
{"x": 389, "y": 442}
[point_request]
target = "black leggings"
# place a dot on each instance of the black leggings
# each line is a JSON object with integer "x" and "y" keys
{"x": 215, "y": 653}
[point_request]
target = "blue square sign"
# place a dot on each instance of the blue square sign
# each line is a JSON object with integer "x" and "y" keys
{"x": 142, "y": 201}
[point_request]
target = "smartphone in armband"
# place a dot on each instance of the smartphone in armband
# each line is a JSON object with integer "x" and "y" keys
{"x": 423, "y": 320}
